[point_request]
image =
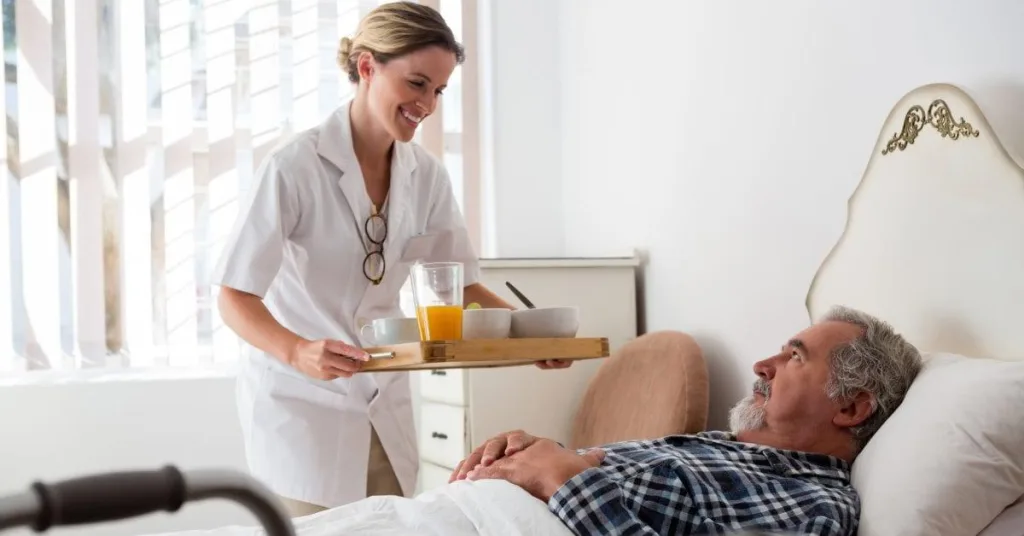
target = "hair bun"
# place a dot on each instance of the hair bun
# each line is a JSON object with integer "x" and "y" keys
{"x": 344, "y": 52}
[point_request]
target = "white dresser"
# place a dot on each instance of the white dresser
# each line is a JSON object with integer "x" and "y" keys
{"x": 458, "y": 409}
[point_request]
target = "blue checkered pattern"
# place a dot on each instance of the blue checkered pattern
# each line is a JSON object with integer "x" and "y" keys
{"x": 708, "y": 484}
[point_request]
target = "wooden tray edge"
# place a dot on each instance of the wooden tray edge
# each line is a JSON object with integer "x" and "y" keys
{"x": 426, "y": 355}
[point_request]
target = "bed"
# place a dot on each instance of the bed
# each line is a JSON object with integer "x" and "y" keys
{"x": 934, "y": 244}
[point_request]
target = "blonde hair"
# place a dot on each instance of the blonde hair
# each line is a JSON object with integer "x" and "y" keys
{"x": 395, "y": 29}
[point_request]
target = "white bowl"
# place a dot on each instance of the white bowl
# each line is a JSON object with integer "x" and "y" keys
{"x": 388, "y": 331}
{"x": 486, "y": 323}
{"x": 546, "y": 322}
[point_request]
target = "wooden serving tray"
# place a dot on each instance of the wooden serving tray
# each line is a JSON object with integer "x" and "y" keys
{"x": 478, "y": 353}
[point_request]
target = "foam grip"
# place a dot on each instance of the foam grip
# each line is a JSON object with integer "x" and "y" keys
{"x": 108, "y": 497}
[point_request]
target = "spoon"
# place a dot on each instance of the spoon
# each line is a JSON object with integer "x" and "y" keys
{"x": 526, "y": 302}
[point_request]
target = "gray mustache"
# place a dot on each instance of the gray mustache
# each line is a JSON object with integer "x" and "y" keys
{"x": 762, "y": 387}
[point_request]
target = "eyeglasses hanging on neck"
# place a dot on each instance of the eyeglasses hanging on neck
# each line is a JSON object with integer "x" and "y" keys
{"x": 376, "y": 228}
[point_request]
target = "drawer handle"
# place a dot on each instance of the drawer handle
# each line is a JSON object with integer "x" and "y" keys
{"x": 439, "y": 435}
{"x": 438, "y": 373}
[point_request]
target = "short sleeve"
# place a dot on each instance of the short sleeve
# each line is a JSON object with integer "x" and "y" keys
{"x": 267, "y": 214}
{"x": 445, "y": 217}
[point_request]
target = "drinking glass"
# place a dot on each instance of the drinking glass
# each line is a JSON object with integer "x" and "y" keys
{"x": 437, "y": 296}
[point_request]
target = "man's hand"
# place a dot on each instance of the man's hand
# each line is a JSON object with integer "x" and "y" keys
{"x": 495, "y": 448}
{"x": 541, "y": 469}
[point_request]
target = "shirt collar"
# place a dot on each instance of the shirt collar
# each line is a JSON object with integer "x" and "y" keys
{"x": 828, "y": 470}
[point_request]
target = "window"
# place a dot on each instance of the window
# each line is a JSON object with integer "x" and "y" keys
{"x": 132, "y": 127}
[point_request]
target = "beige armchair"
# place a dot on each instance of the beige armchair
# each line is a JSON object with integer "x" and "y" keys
{"x": 653, "y": 386}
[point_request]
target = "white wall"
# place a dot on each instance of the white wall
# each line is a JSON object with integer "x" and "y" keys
{"x": 523, "y": 126}
{"x": 724, "y": 139}
{"x": 63, "y": 430}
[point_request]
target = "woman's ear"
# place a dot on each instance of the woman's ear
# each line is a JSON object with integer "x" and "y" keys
{"x": 855, "y": 411}
{"x": 366, "y": 66}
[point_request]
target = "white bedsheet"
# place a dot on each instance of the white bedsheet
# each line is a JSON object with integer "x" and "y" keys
{"x": 481, "y": 508}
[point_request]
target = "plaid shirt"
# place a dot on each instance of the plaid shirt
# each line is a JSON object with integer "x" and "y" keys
{"x": 708, "y": 484}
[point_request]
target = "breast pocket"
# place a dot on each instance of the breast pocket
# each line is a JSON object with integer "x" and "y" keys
{"x": 399, "y": 262}
{"x": 419, "y": 248}
{"x": 446, "y": 245}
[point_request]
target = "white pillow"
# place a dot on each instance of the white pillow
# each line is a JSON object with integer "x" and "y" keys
{"x": 1009, "y": 522}
{"x": 951, "y": 458}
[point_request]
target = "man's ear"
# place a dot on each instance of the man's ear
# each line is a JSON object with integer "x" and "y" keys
{"x": 855, "y": 411}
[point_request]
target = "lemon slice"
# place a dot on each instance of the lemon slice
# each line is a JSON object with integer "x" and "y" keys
{"x": 473, "y": 305}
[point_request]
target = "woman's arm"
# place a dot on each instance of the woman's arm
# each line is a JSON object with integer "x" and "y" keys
{"x": 250, "y": 319}
{"x": 478, "y": 293}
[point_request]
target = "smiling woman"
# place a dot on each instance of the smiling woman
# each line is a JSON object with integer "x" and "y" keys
{"x": 412, "y": 47}
{"x": 323, "y": 244}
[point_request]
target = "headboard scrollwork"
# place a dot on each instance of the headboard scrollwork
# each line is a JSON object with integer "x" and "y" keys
{"x": 939, "y": 116}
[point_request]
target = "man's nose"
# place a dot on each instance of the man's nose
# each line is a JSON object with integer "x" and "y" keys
{"x": 765, "y": 368}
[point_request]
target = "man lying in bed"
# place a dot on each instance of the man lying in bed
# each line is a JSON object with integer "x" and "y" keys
{"x": 784, "y": 467}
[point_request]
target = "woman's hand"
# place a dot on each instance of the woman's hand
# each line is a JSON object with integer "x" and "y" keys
{"x": 493, "y": 449}
{"x": 553, "y": 364}
{"x": 327, "y": 359}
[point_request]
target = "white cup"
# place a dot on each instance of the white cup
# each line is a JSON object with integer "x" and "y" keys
{"x": 486, "y": 323}
{"x": 388, "y": 331}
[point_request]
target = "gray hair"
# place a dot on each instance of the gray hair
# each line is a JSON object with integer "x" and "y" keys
{"x": 880, "y": 362}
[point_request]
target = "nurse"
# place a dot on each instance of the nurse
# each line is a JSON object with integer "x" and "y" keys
{"x": 323, "y": 243}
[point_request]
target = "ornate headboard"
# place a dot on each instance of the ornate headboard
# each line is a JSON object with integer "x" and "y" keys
{"x": 934, "y": 238}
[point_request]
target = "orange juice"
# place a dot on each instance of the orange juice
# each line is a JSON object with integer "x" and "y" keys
{"x": 440, "y": 322}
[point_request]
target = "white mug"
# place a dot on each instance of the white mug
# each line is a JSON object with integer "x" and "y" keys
{"x": 388, "y": 331}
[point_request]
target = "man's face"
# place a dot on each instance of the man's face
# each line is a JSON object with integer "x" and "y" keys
{"x": 789, "y": 394}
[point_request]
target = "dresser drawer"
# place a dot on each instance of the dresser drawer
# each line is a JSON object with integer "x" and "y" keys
{"x": 433, "y": 476}
{"x": 443, "y": 386}
{"x": 442, "y": 434}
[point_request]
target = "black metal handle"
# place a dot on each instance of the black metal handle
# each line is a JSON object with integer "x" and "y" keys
{"x": 439, "y": 435}
{"x": 107, "y": 497}
{"x": 120, "y": 495}
{"x": 438, "y": 373}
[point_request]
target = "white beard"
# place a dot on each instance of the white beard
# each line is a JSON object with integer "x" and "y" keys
{"x": 746, "y": 415}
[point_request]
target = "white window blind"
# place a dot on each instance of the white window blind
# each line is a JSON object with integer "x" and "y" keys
{"x": 132, "y": 128}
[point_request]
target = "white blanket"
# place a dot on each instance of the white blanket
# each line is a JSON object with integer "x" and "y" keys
{"x": 464, "y": 508}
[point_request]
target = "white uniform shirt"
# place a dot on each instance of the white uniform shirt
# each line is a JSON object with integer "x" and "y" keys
{"x": 299, "y": 244}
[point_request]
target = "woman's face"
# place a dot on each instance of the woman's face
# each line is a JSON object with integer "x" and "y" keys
{"x": 405, "y": 91}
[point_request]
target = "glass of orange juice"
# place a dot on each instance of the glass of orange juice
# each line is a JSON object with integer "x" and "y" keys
{"x": 437, "y": 296}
